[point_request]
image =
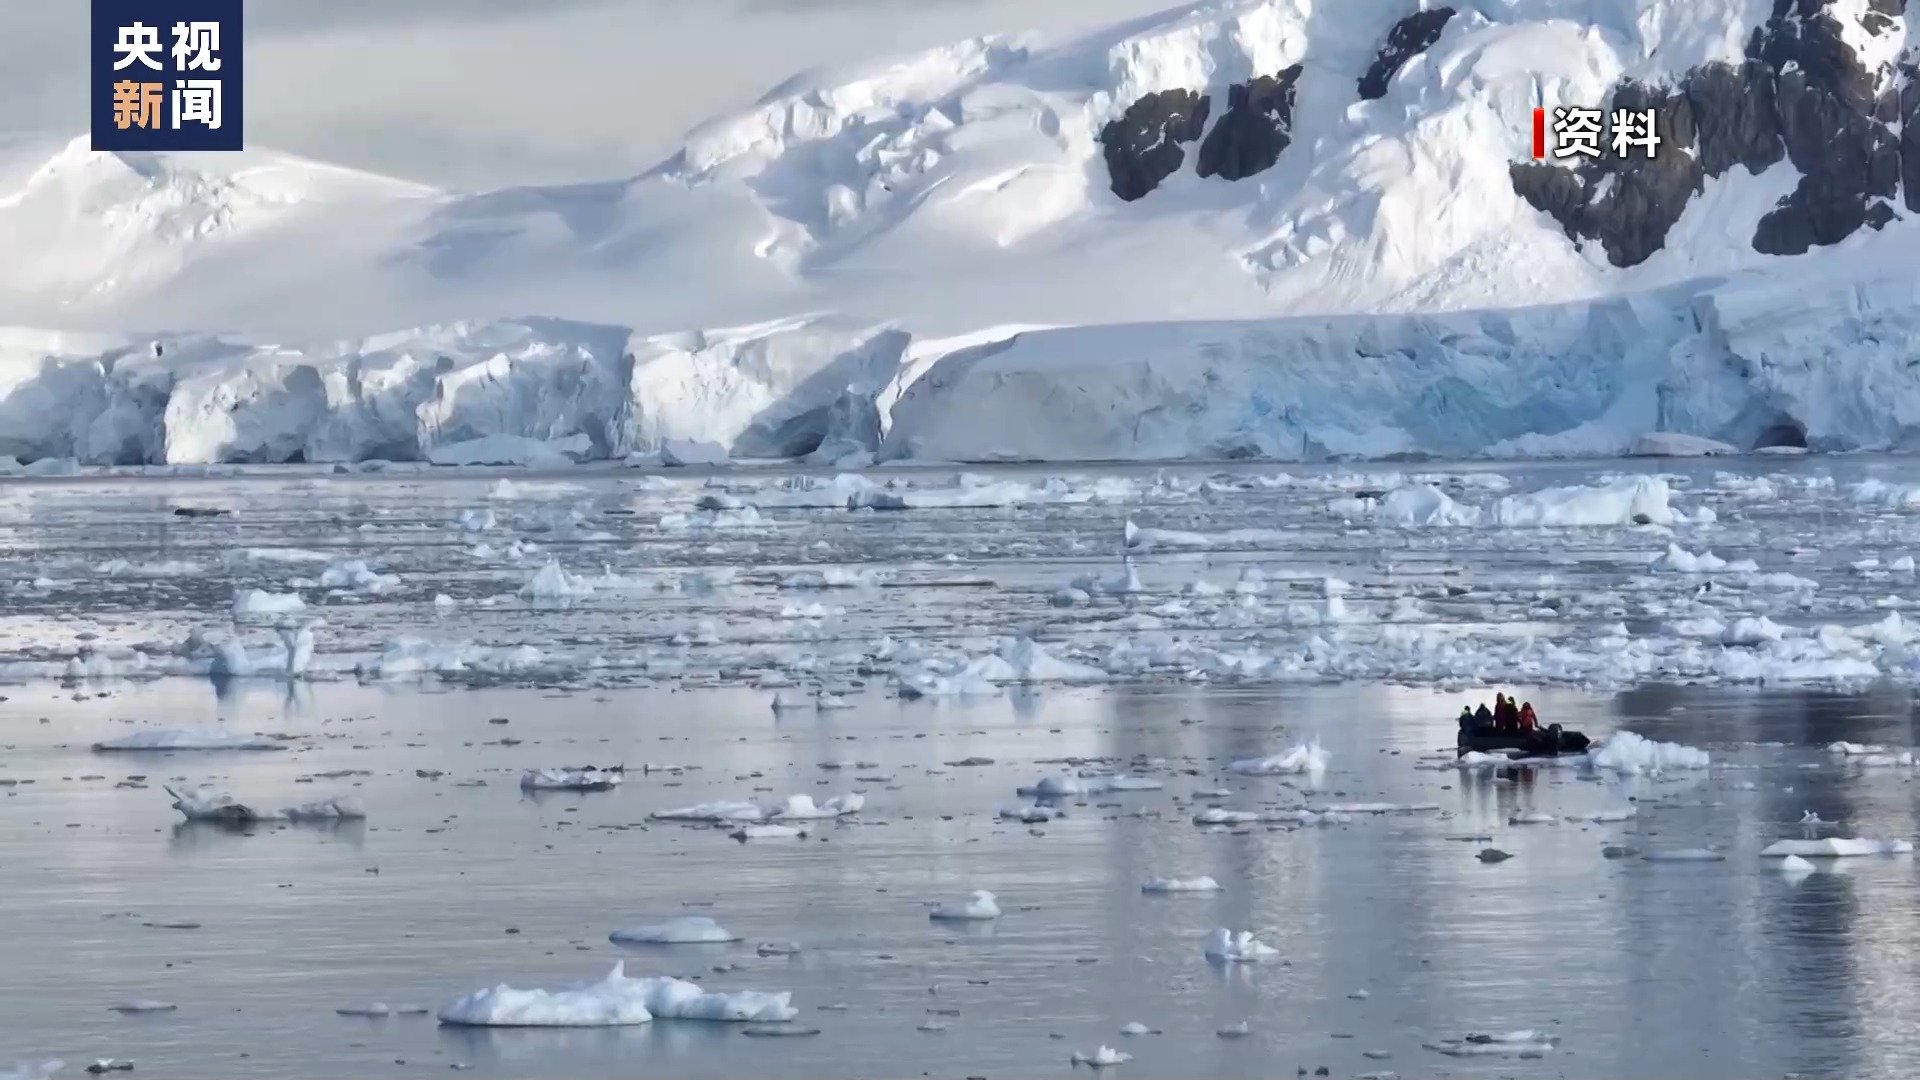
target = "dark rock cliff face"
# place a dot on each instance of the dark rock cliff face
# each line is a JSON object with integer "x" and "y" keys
{"x": 1802, "y": 94}
{"x": 1409, "y": 38}
{"x": 1910, "y": 134}
{"x": 1835, "y": 116}
{"x": 1142, "y": 147}
{"x": 1257, "y": 126}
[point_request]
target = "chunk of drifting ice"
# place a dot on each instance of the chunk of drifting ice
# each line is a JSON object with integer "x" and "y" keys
{"x": 1228, "y": 947}
{"x": 342, "y": 808}
{"x": 1853, "y": 749}
{"x": 554, "y": 583}
{"x": 206, "y": 804}
{"x": 1532, "y": 817}
{"x": 1031, "y": 814}
{"x": 1220, "y": 815}
{"x": 717, "y": 812}
{"x": 260, "y": 602}
{"x": 1180, "y": 885}
{"x": 1682, "y": 561}
{"x": 1135, "y": 1028}
{"x": 1307, "y": 758}
{"x": 1749, "y": 630}
{"x": 1835, "y": 848}
{"x": 684, "y": 930}
{"x": 767, "y": 832}
{"x": 1628, "y": 501}
{"x": 183, "y": 739}
{"x": 1630, "y": 753}
{"x": 143, "y": 1005}
{"x": 1100, "y": 1058}
{"x": 984, "y": 905}
{"x": 803, "y": 808}
{"x": 1525, "y": 1044}
{"x": 1794, "y": 865}
{"x": 587, "y": 779}
{"x": 614, "y": 1002}
{"x": 692, "y": 452}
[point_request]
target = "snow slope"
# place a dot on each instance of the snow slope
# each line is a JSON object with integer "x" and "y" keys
{"x": 928, "y": 256}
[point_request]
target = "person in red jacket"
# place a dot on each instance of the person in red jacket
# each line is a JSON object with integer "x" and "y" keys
{"x": 1529, "y": 723}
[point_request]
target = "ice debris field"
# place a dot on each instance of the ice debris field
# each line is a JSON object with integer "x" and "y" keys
{"x": 820, "y": 587}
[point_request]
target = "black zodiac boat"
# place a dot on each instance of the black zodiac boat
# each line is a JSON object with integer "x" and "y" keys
{"x": 1542, "y": 742}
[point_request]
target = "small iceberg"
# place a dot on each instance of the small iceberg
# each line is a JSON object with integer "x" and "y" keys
{"x": 1795, "y": 866}
{"x": 983, "y": 905}
{"x": 585, "y": 778}
{"x": 685, "y": 930}
{"x": 1225, "y": 946}
{"x": 143, "y": 1005}
{"x": 615, "y": 1001}
{"x": 1181, "y": 885}
{"x": 1306, "y": 759}
{"x": 1100, "y": 1058}
{"x": 767, "y": 832}
{"x": 1524, "y": 1044}
{"x": 183, "y": 739}
{"x": 1835, "y": 848}
{"x": 205, "y": 804}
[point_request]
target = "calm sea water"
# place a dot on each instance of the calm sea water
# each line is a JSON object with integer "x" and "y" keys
{"x": 1722, "y": 969}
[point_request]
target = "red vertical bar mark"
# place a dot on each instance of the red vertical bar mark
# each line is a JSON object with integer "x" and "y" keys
{"x": 1539, "y": 133}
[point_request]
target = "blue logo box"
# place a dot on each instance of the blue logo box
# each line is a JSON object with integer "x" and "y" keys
{"x": 167, "y": 74}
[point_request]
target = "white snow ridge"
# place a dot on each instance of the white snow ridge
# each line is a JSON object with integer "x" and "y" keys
{"x": 998, "y": 199}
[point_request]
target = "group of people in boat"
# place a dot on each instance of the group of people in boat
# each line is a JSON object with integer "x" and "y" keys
{"x": 1505, "y": 717}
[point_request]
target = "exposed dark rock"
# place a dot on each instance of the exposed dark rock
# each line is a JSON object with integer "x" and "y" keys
{"x": 1802, "y": 94}
{"x": 1409, "y": 38}
{"x": 1909, "y": 98}
{"x": 1834, "y": 115}
{"x": 1625, "y": 203}
{"x": 1142, "y": 147}
{"x": 1257, "y": 126}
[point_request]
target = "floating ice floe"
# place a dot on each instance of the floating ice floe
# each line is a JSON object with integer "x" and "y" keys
{"x": 1031, "y": 814}
{"x": 1306, "y": 759}
{"x": 258, "y": 602}
{"x": 1525, "y": 1044}
{"x": 187, "y": 739}
{"x": 795, "y": 808}
{"x": 1104, "y": 1056}
{"x": 683, "y": 930}
{"x": 982, "y": 906}
{"x": 615, "y": 1001}
{"x": 1835, "y": 848}
{"x": 206, "y": 804}
{"x": 1633, "y": 754}
{"x": 767, "y": 832}
{"x": 1684, "y": 855}
{"x": 1180, "y": 885}
{"x": 586, "y": 778}
{"x": 1225, "y": 946}
{"x": 143, "y": 1005}
{"x": 1059, "y": 787}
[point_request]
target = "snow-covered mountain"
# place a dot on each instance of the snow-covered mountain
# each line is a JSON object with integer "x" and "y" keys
{"x": 1325, "y": 214}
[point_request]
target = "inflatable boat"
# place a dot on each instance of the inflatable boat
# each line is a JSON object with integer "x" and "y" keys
{"x": 1542, "y": 742}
